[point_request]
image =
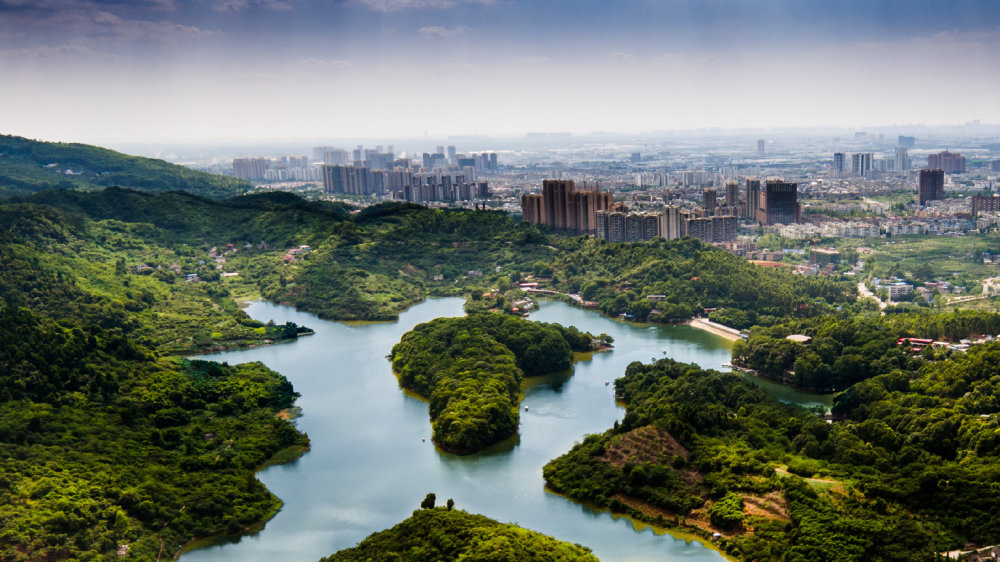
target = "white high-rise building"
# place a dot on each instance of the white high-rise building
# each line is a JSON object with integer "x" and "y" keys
{"x": 902, "y": 163}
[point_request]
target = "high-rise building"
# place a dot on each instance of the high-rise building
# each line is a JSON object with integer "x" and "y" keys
{"x": 778, "y": 203}
{"x": 709, "y": 201}
{"x": 902, "y": 161}
{"x": 670, "y": 222}
{"x": 984, "y": 203}
{"x": 760, "y": 147}
{"x": 949, "y": 162}
{"x": 931, "y": 186}
{"x": 861, "y": 164}
{"x": 251, "y": 168}
{"x": 451, "y": 155}
{"x": 732, "y": 194}
{"x": 838, "y": 163}
{"x": 753, "y": 199}
{"x": 561, "y": 207}
{"x": 906, "y": 142}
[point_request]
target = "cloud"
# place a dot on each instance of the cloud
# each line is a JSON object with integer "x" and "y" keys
{"x": 620, "y": 56}
{"x": 108, "y": 24}
{"x": 63, "y": 5}
{"x": 335, "y": 64}
{"x": 233, "y": 6}
{"x": 398, "y": 5}
{"x": 79, "y": 22}
{"x": 442, "y": 32}
{"x": 55, "y": 51}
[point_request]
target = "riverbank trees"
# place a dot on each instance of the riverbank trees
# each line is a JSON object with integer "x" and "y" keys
{"x": 471, "y": 370}
{"x": 909, "y": 474}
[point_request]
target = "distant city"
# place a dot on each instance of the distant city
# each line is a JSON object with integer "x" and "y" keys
{"x": 711, "y": 187}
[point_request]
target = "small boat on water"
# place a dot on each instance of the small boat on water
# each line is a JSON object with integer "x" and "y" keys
{"x": 525, "y": 408}
{"x": 727, "y": 365}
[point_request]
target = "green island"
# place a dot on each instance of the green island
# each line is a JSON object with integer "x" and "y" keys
{"x": 471, "y": 369}
{"x": 436, "y": 534}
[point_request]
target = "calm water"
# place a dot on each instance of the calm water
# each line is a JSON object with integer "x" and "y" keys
{"x": 370, "y": 467}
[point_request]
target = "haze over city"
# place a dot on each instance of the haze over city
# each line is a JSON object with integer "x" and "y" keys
{"x": 251, "y": 70}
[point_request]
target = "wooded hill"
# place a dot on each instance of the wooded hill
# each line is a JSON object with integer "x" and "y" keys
{"x": 28, "y": 166}
{"x": 110, "y": 447}
{"x": 911, "y": 472}
{"x": 444, "y": 534}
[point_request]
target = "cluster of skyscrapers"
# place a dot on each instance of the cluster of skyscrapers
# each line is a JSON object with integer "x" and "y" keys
{"x": 563, "y": 207}
{"x": 436, "y": 177}
{"x": 285, "y": 168}
{"x": 403, "y": 184}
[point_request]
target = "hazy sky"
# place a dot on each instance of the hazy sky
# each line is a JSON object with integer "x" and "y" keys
{"x": 168, "y": 70}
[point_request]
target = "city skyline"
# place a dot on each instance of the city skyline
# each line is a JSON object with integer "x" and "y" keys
{"x": 168, "y": 70}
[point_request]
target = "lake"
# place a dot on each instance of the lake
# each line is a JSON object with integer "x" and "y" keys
{"x": 372, "y": 460}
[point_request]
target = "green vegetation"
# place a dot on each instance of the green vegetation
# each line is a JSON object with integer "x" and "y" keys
{"x": 912, "y": 472}
{"x": 958, "y": 260}
{"x": 471, "y": 369}
{"x": 106, "y": 443}
{"x": 686, "y": 277}
{"x": 109, "y": 441}
{"x": 28, "y": 166}
{"x": 444, "y": 534}
{"x": 375, "y": 263}
{"x": 849, "y": 349}
{"x": 132, "y": 273}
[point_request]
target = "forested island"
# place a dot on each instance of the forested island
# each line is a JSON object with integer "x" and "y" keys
{"x": 471, "y": 368}
{"x": 444, "y": 534}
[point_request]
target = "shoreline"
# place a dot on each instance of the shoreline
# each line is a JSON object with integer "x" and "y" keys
{"x": 679, "y": 532}
{"x": 720, "y": 330}
{"x": 284, "y": 456}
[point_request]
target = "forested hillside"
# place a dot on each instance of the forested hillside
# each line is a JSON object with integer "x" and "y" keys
{"x": 444, "y": 534}
{"x": 471, "y": 370}
{"x": 28, "y": 166}
{"x": 847, "y": 349}
{"x": 910, "y": 473}
{"x": 108, "y": 446}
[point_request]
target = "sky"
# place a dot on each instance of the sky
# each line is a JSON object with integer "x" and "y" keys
{"x": 258, "y": 70}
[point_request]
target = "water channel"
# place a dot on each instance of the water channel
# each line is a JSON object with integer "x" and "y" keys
{"x": 372, "y": 460}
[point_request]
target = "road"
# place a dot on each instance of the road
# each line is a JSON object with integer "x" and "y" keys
{"x": 866, "y": 293}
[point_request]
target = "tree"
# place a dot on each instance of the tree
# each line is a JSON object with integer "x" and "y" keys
{"x": 451, "y": 504}
{"x": 428, "y": 502}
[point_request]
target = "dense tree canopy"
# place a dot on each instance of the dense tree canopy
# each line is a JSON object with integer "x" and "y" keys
{"x": 28, "y": 166}
{"x": 910, "y": 473}
{"x": 470, "y": 369}
{"x": 445, "y": 534}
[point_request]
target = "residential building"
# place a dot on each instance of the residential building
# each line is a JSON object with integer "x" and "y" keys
{"x": 931, "y": 185}
{"x": 949, "y": 162}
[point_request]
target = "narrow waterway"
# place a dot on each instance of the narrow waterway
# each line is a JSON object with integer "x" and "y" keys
{"x": 372, "y": 461}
